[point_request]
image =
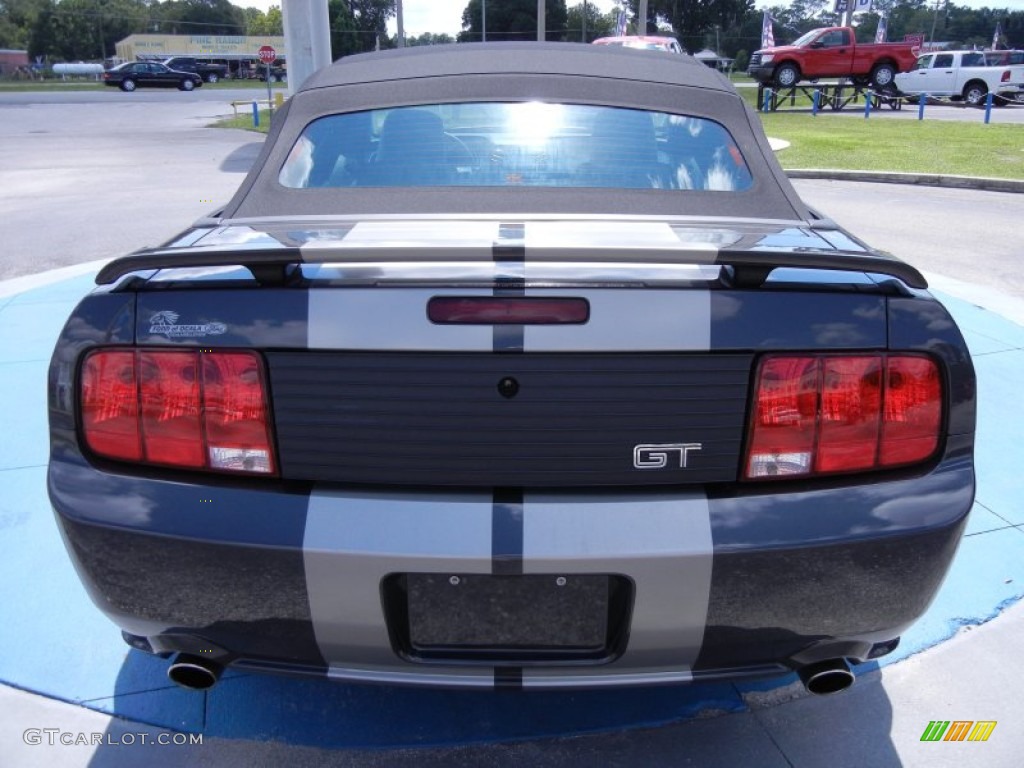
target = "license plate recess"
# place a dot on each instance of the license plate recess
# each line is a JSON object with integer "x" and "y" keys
{"x": 522, "y": 619}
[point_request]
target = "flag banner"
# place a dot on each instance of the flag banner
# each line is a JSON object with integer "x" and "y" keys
{"x": 997, "y": 35}
{"x": 767, "y": 34}
{"x": 842, "y": 6}
{"x": 880, "y": 34}
{"x": 861, "y": 5}
{"x": 620, "y": 24}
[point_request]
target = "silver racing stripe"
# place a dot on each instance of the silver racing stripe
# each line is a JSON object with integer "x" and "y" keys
{"x": 621, "y": 320}
{"x": 388, "y": 240}
{"x": 389, "y": 319}
{"x": 473, "y": 240}
{"x": 509, "y": 254}
{"x": 353, "y": 540}
{"x": 636, "y": 240}
{"x": 662, "y": 542}
{"x": 598, "y": 234}
{"x": 630, "y": 320}
{"x": 392, "y": 318}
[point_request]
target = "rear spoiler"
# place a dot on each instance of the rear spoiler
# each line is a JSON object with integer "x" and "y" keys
{"x": 749, "y": 268}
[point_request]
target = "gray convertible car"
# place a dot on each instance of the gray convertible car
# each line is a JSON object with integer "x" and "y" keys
{"x": 513, "y": 365}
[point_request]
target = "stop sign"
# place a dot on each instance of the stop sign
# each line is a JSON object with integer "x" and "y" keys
{"x": 267, "y": 54}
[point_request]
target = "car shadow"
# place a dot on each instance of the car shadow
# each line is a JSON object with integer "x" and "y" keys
{"x": 242, "y": 158}
{"x": 712, "y": 724}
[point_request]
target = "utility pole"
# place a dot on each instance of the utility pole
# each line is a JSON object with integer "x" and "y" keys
{"x": 641, "y": 20}
{"x": 584, "y": 21}
{"x": 541, "y": 12}
{"x": 483, "y": 20}
{"x": 935, "y": 20}
{"x": 99, "y": 23}
{"x": 401, "y": 26}
{"x": 307, "y": 36}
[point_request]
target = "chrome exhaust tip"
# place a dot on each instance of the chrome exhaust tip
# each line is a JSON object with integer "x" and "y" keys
{"x": 194, "y": 673}
{"x": 825, "y": 677}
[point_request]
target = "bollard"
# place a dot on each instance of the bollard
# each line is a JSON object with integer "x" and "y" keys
{"x": 766, "y": 107}
{"x": 920, "y": 105}
{"x": 867, "y": 105}
{"x": 255, "y": 114}
{"x": 278, "y": 100}
{"x": 814, "y": 102}
{"x": 988, "y": 107}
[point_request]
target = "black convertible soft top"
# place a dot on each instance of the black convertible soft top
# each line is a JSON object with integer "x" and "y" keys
{"x": 567, "y": 73}
{"x": 519, "y": 58}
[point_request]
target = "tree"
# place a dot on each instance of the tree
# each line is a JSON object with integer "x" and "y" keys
{"x": 430, "y": 38}
{"x": 258, "y": 23}
{"x": 513, "y": 20}
{"x": 198, "y": 17}
{"x": 73, "y": 30}
{"x": 598, "y": 24}
{"x": 17, "y": 18}
{"x": 691, "y": 20}
{"x": 358, "y": 26}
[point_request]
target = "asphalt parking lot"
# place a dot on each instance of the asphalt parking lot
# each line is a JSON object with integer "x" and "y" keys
{"x": 74, "y": 178}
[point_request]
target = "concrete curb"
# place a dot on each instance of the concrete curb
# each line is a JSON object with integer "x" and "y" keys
{"x": 919, "y": 179}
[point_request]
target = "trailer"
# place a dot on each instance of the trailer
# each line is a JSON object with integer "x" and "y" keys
{"x": 818, "y": 96}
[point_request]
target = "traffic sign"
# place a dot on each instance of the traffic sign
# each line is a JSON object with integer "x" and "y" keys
{"x": 267, "y": 54}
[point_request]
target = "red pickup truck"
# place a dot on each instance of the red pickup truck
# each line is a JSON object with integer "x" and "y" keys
{"x": 832, "y": 52}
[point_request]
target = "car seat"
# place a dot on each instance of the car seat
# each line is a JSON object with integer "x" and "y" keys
{"x": 411, "y": 151}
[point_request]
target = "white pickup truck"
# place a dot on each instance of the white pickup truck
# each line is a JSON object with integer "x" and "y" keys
{"x": 962, "y": 75}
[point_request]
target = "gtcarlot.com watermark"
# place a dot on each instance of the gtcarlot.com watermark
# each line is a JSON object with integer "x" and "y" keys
{"x": 52, "y": 737}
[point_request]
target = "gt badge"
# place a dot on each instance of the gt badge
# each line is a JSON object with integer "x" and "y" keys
{"x": 658, "y": 456}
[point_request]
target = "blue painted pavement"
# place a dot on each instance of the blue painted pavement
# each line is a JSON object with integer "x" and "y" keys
{"x": 56, "y": 643}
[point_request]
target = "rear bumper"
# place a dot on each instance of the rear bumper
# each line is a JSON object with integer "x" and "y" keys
{"x": 724, "y": 585}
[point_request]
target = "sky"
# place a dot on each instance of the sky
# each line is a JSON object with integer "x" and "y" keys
{"x": 446, "y": 15}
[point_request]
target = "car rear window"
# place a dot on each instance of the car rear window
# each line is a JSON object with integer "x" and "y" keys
{"x": 522, "y": 144}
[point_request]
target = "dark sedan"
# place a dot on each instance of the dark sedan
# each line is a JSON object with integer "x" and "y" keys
{"x": 140, "y": 74}
{"x": 513, "y": 365}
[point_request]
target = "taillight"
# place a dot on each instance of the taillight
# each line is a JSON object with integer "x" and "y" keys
{"x": 1005, "y": 77}
{"x": 110, "y": 405}
{"x": 827, "y": 414}
{"x": 169, "y": 400}
{"x": 178, "y": 408}
{"x": 235, "y": 413}
{"x": 912, "y": 412}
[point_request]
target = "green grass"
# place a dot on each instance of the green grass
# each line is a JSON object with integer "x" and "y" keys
{"x": 248, "y": 84}
{"x": 847, "y": 141}
{"x": 50, "y": 85}
{"x": 908, "y": 146}
{"x": 740, "y": 77}
{"x": 244, "y": 121}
